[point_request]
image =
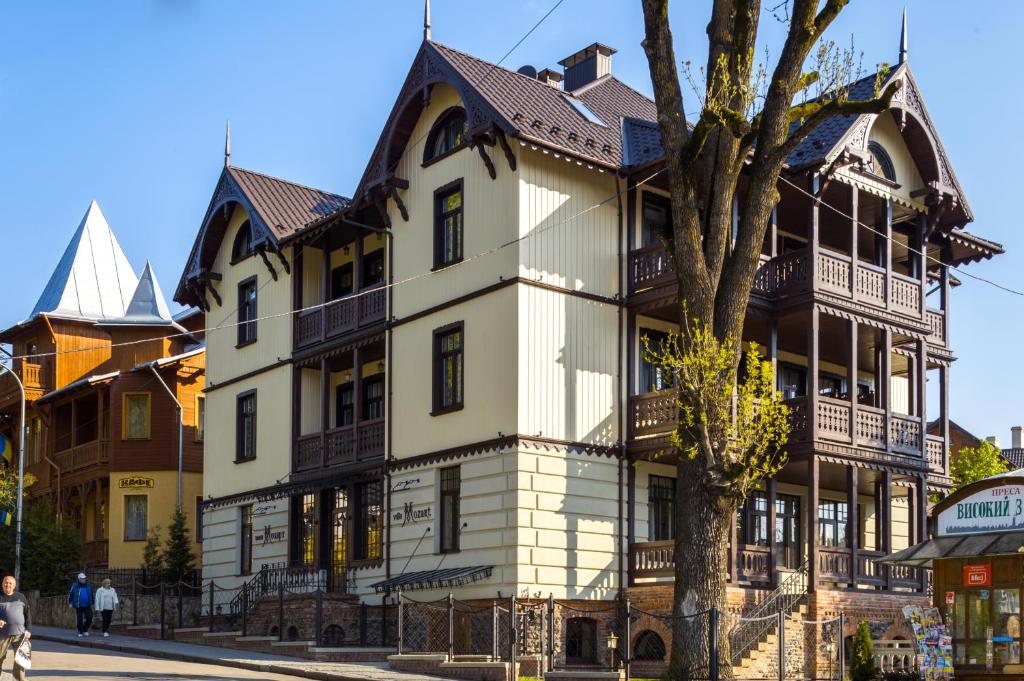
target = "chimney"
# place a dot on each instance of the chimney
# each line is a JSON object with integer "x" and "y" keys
{"x": 1018, "y": 436}
{"x": 587, "y": 65}
{"x": 550, "y": 77}
{"x": 993, "y": 440}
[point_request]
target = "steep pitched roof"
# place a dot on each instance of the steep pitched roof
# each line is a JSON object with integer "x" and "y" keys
{"x": 148, "y": 307}
{"x": 285, "y": 207}
{"x": 93, "y": 279}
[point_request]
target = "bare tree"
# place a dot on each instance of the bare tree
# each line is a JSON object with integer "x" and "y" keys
{"x": 750, "y": 120}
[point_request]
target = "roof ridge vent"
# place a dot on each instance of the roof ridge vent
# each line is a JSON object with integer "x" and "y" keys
{"x": 587, "y": 65}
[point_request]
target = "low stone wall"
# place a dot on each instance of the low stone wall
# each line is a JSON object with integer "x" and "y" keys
{"x": 343, "y": 619}
{"x": 53, "y": 611}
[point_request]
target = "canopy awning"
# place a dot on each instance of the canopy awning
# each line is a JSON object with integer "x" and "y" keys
{"x": 434, "y": 579}
{"x": 960, "y": 546}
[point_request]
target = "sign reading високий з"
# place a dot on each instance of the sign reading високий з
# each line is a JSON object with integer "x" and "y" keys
{"x": 995, "y": 509}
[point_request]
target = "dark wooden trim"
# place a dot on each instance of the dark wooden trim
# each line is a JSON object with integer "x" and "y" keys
{"x": 246, "y": 376}
{"x": 505, "y": 441}
{"x": 440, "y": 191}
{"x": 852, "y": 520}
{"x": 813, "y": 486}
{"x": 773, "y": 494}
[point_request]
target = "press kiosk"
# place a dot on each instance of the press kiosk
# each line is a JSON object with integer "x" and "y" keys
{"x": 977, "y": 556}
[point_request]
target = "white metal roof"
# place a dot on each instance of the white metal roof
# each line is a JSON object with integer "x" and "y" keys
{"x": 147, "y": 306}
{"x": 93, "y": 279}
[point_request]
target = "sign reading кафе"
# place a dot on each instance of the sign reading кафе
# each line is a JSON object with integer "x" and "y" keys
{"x": 994, "y": 509}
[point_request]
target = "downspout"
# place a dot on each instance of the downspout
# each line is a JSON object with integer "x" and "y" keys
{"x": 181, "y": 417}
{"x": 624, "y": 404}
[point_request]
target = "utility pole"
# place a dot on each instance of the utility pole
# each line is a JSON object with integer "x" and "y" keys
{"x": 21, "y": 475}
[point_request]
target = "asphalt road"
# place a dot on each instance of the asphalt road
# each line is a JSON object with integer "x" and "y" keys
{"x": 59, "y": 662}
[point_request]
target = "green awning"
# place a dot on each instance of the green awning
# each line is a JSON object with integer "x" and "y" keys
{"x": 960, "y": 546}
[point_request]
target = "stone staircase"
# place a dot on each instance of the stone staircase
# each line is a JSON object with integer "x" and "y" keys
{"x": 762, "y": 660}
{"x": 754, "y": 643}
{"x": 271, "y": 645}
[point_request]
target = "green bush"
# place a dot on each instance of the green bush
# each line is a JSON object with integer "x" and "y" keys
{"x": 50, "y": 550}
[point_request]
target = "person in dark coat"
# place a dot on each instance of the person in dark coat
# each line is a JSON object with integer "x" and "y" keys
{"x": 81, "y": 599}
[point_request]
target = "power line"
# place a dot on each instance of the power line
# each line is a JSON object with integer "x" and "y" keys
{"x": 908, "y": 246}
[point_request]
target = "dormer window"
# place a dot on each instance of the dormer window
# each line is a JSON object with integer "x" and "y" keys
{"x": 447, "y": 135}
{"x": 242, "y": 247}
{"x": 879, "y": 162}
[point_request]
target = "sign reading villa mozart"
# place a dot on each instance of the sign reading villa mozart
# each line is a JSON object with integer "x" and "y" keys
{"x": 995, "y": 509}
{"x": 136, "y": 482}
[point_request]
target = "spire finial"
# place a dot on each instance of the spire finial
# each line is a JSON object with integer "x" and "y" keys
{"x": 426, "y": 20}
{"x": 227, "y": 145}
{"x": 903, "y": 38}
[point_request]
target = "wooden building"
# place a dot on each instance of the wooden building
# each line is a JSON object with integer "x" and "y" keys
{"x": 446, "y": 371}
{"x": 102, "y": 432}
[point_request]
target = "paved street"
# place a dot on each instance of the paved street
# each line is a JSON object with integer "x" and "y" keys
{"x": 53, "y": 661}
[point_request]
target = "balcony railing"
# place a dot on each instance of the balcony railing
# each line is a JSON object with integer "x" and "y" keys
{"x": 835, "y": 273}
{"x": 35, "y": 377}
{"x": 937, "y": 324}
{"x": 339, "y": 446}
{"x": 94, "y": 553}
{"x": 82, "y": 456}
{"x": 339, "y": 317}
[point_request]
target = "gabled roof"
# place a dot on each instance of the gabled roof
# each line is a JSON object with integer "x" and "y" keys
{"x": 93, "y": 280}
{"x": 147, "y": 307}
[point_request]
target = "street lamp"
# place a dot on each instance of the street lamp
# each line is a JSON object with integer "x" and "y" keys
{"x": 613, "y": 643}
{"x": 21, "y": 475}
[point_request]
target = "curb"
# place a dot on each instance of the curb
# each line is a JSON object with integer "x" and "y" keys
{"x": 268, "y": 668}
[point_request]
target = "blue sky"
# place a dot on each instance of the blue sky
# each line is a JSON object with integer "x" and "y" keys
{"x": 125, "y": 102}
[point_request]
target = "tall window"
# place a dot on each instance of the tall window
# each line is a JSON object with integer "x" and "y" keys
{"x": 370, "y": 520}
{"x": 451, "y": 487}
{"x": 448, "y": 224}
{"x": 247, "y": 311}
{"x": 200, "y": 418}
{"x": 135, "y": 416}
{"x": 344, "y": 405}
{"x": 792, "y": 380}
{"x": 373, "y": 398}
{"x": 832, "y": 523}
{"x": 448, "y": 363}
{"x": 135, "y": 512}
{"x": 341, "y": 281}
{"x": 656, "y": 219}
{"x": 447, "y": 134}
{"x": 245, "y": 539}
{"x": 373, "y": 269}
{"x": 245, "y": 427}
{"x": 304, "y": 529}
{"x": 661, "y": 504}
{"x": 653, "y": 376}
{"x": 242, "y": 246}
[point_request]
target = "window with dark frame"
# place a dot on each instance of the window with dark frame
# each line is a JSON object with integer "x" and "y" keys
{"x": 832, "y": 523}
{"x": 341, "y": 281}
{"x": 656, "y": 219}
{"x": 370, "y": 520}
{"x": 661, "y": 504}
{"x": 447, "y": 134}
{"x": 653, "y": 376}
{"x": 247, "y": 311}
{"x": 344, "y": 405}
{"x": 136, "y": 524}
{"x": 245, "y": 427}
{"x": 448, "y": 225}
{"x": 373, "y": 269}
{"x": 242, "y": 246}
{"x": 451, "y": 489}
{"x": 448, "y": 368}
{"x": 373, "y": 398}
{"x": 245, "y": 540}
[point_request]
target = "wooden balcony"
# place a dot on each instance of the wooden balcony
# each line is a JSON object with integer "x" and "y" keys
{"x": 343, "y": 446}
{"x": 35, "y": 377}
{"x": 790, "y": 274}
{"x": 340, "y": 317}
{"x": 834, "y": 565}
{"x": 83, "y": 457}
{"x": 654, "y": 414}
{"x": 94, "y": 553}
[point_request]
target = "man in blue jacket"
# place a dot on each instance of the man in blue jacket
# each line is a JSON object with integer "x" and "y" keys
{"x": 81, "y": 599}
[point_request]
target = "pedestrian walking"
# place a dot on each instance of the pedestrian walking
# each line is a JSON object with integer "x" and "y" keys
{"x": 106, "y": 602}
{"x": 81, "y": 599}
{"x": 15, "y": 623}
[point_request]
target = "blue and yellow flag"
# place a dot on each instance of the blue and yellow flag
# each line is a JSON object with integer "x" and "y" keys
{"x": 6, "y": 517}
{"x": 6, "y": 449}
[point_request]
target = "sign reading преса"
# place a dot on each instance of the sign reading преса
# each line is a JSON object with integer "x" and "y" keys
{"x": 993, "y": 509}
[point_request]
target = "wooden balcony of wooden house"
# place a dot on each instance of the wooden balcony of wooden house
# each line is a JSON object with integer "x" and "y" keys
{"x": 82, "y": 457}
{"x": 36, "y": 377}
{"x": 355, "y": 311}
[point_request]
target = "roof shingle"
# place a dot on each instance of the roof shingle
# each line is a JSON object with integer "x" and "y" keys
{"x": 285, "y": 207}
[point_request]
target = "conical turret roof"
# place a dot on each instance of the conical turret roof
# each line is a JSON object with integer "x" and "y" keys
{"x": 93, "y": 280}
{"x": 148, "y": 307}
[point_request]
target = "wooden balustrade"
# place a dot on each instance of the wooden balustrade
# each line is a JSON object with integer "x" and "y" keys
{"x": 339, "y": 446}
{"x": 649, "y": 267}
{"x": 833, "y": 419}
{"x": 82, "y": 456}
{"x": 652, "y": 559}
{"x": 905, "y": 434}
{"x": 752, "y": 564}
{"x": 33, "y": 376}
{"x": 937, "y": 325}
{"x": 936, "y": 448}
{"x": 308, "y": 452}
{"x": 341, "y": 316}
{"x": 834, "y": 565}
{"x": 653, "y": 413}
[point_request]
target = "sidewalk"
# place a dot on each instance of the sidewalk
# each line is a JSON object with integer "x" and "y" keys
{"x": 252, "y": 661}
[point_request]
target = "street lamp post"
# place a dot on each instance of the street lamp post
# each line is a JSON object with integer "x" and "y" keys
{"x": 21, "y": 475}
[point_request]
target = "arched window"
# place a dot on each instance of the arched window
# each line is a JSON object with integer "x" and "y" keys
{"x": 581, "y": 640}
{"x": 649, "y": 647}
{"x": 879, "y": 162}
{"x": 333, "y": 636}
{"x": 448, "y": 133}
{"x": 242, "y": 247}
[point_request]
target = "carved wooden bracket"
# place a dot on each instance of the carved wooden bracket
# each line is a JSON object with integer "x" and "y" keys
{"x": 266, "y": 261}
{"x": 509, "y": 156}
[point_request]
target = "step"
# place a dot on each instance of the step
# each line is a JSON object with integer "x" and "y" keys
{"x": 222, "y": 634}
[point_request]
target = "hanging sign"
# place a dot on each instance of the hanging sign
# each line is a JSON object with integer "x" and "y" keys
{"x": 136, "y": 482}
{"x": 995, "y": 509}
{"x": 978, "y": 575}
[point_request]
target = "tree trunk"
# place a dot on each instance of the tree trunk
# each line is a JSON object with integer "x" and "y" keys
{"x": 702, "y": 539}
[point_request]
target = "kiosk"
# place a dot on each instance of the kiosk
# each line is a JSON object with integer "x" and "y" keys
{"x": 977, "y": 558}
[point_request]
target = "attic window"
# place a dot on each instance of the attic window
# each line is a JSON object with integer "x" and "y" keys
{"x": 448, "y": 133}
{"x": 583, "y": 110}
{"x": 879, "y": 162}
{"x": 242, "y": 247}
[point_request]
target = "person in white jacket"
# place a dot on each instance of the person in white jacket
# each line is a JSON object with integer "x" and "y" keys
{"x": 106, "y": 601}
